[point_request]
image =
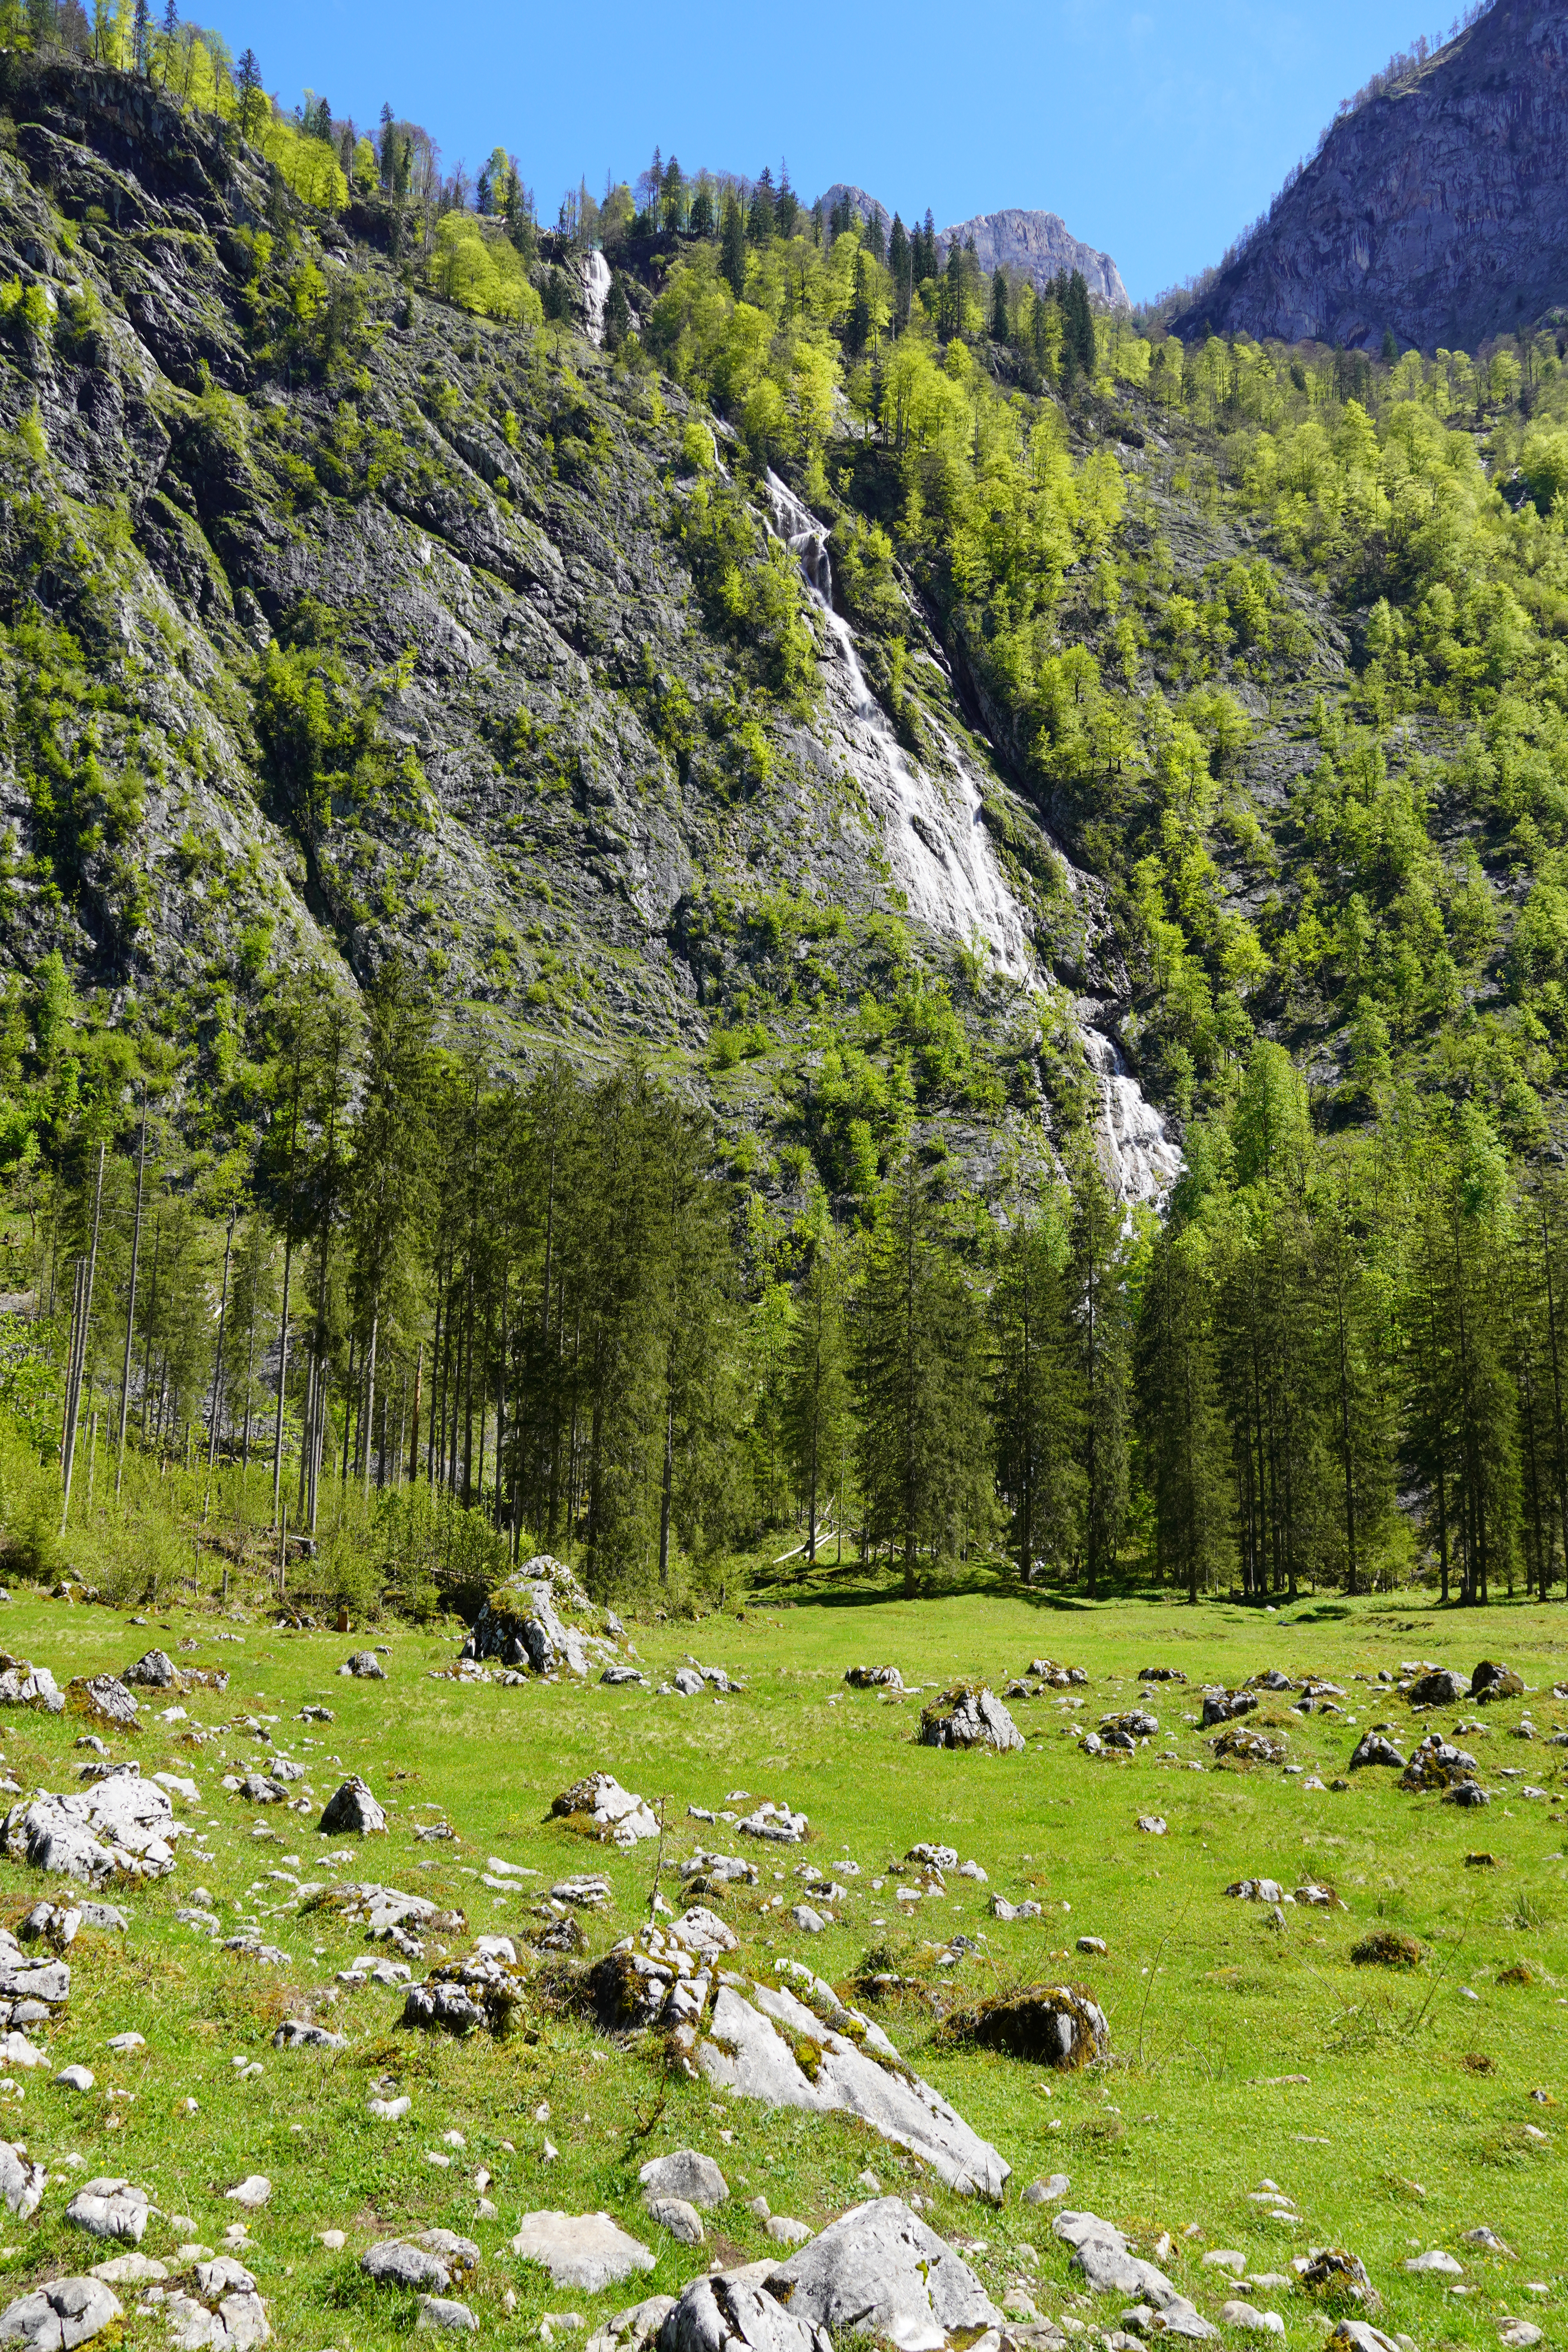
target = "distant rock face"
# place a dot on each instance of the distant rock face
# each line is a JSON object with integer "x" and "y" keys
{"x": 1437, "y": 212}
{"x": 867, "y": 207}
{"x": 1039, "y": 246}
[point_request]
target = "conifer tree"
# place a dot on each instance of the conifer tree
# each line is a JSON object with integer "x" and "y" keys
{"x": 1037, "y": 1393}
{"x": 732, "y": 246}
{"x": 922, "y": 1455}
{"x": 816, "y": 1385}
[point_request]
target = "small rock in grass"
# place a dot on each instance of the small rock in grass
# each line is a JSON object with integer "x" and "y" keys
{"x": 1152, "y": 1824}
{"x": 586, "y": 2250}
{"x": 74, "y": 2078}
{"x": 365, "y": 1666}
{"x": 299, "y": 2033}
{"x": 333, "y": 2240}
{"x": 1225, "y": 2258}
{"x": 388, "y": 2111}
{"x": 352, "y": 1810}
{"x": 131, "y": 2270}
{"x": 1519, "y": 2334}
{"x": 682, "y": 2221}
{"x": 1249, "y": 2320}
{"x": 1048, "y": 2192}
{"x": 1434, "y": 2261}
{"x": 686, "y": 2174}
{"x": 1487, "y": 2240}
{"x": 1092, "y": 1944}
{"x": 251, "y": 2192}
{"x": 439, "y": 2311}
{"x": 785, "y": 2230}
{"x": 126, "y": 2042}
{"x": 432, "y": 2259}
{"x": 110, "y": 2208}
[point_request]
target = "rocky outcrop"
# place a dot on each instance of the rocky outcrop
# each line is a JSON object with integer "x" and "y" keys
{"x": 1436, "y": 212}
{"x": 1038, "y": 247}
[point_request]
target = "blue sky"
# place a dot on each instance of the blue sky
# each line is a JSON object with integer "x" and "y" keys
{"x": 1155, "y": 131}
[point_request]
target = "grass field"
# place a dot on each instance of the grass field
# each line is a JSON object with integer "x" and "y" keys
{"x": 1397, "y": 2110}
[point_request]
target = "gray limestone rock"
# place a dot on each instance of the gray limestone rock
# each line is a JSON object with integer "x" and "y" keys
{"x": 969, "y": 1717}
{"x": 56, "y": 2317}
{"x": 857, "y": 2072}
{"x": 302, "y": 2033}
{"x": 723, "y": 2314}
{"x": 586, "y": 2251}
{"x": 109, "y": 2208}
{"x": 688, "y": 2174}
{"x": 680, "y": 2219}
{"x": 22, "y": 2182}
{"x": 351, "y": 1810}
{"x": 24, "y": 1684}
{"x": 441, "y": 2312}
{"x": 881, "y": 2270}
{"x": 434, "y": 2259}
{"x": 154, "y": 1670}
{"x": 365, "y": 1666}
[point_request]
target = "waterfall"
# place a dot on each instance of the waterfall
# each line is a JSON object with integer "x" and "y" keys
{"x": 941, "y": 859}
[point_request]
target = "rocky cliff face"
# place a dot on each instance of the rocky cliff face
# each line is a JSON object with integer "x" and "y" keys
{"x": 1039, "y": 246}
{"x": 340, "y": 623}
{"x": 1437, "y": 211}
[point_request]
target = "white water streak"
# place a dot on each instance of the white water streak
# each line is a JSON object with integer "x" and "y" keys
{"x": 941, "y": 859}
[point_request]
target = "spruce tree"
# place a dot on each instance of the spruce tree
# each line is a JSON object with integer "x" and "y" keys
{"x": 816, "y": 1385}
{"x": 918, "y": 1380}
{"x": 732, "y": 246}
{"x": 1036, "y": 1393}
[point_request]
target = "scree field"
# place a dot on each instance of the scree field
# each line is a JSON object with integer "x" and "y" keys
{"x": 1393, "y": 2110}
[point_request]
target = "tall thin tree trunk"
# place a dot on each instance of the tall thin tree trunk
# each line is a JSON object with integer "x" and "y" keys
{"x": 368, "y": 1431}
{"x": 131, "y": 1300}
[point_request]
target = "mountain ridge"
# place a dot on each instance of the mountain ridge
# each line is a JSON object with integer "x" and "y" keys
{"x": 1433, "y": 212}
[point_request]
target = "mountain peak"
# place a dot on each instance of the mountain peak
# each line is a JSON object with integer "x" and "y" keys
{"x": 1434, "y": 210}
{"x": 1038, "y": 245}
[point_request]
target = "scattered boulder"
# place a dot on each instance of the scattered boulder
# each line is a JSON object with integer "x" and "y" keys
{"x": 1270, "y": 1679}
{"x": 1101, "y": 2254}
{"x": 1435, "y": 2262}
{"x": 103, "y": 1698}
{"x": 1051, "y": 2025}
{"x": 120, "y": 1826}
{"x": 154, "y": 1670}
{"x": 1386, "y": 1948}
{"x": 673, "y": 2214}
{"x": 252, "y": 2194}
{"x": 352, "y": 1812}
{"x": 1058, "y": 1678}
{"x": 1374, "y": 1748}
{"x": 632, "y": 2329}
{"x": 598, "y": 1807}
{"x": 460, "y": 1996}
{"x": 1440, "y": 1687}
{"x": 1357, "y": 2335}
{"x": 1136, "y": 1723}
{"x": 730, "y": 2315}
{"x": 108, "y": 2208}
{"x": 24, "y": 1684}
{"x": 776, "y": 1825}
{"x": 22, "y": 2183}
{"x": 1335, "y": 2277}
{"x": 441, "y": 2311}
{"x": 878, "y": 2270}
{"x": 874, "y": 1678}
{"x": 1491, "y": 1681}
{"x": 586, "y": 2251}
{"x": 1002, "y": 1909}
{"x": 616, "y": 1676}
{"x": 54, "y": 2319}
{"x": 687, "y": 2174}
{"x": 299, "y": 2033}
{"x": 224, "y": 2311}
{"x": 1240, "y": 1746}
{"x": 1161, "y": 1674}
{"x": 1224, "y": 1707}
{"x": 829, "y": 2059}
{"x": 534, "y": 1622}
{"x": 968, "y": 1716}
{"x": 364, "y": 1666}
{"x": 1438, "y": 1765}
{"x": 933, "y": 1857}
{"x": 433, "y": 2260}
{"x": 1152, "y": 1824}
{"x": 1248, "y": 2320}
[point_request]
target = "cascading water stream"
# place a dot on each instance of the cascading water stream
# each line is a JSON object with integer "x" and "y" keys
{"x": 941, "y": 859}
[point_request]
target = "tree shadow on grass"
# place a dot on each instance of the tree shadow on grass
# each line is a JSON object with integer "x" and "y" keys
{"x": 855, "y": 1586}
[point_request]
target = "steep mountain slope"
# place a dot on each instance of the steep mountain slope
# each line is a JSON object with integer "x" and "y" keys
{"x": 1436, "y": 211}
{"x": 344, "y": 624}
{"x": 1039, "y": 246}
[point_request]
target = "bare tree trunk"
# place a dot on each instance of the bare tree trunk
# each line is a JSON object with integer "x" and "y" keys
{"x": 131, "y": 1302}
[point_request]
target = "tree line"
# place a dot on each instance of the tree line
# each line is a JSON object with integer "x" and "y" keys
{"x": 553, "y": 1299}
